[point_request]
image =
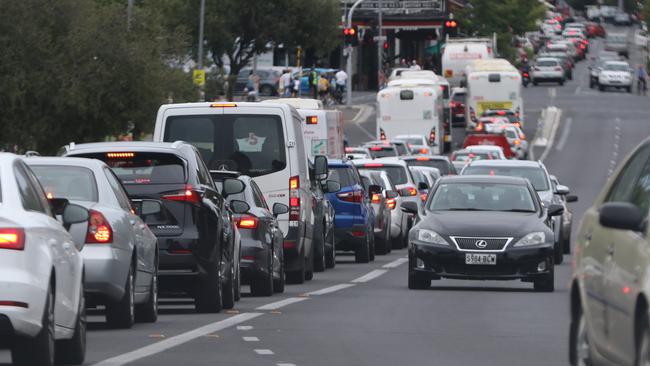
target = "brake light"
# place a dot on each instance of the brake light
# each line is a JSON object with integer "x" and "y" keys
{"x": 223, "y": 105}
{"x": 423, "y": 197}
{"x": 247, "y": 222}
{"x": 349, "y": 149}
{"x": 411, "y": 191}
{"x": 189, "y": 195}
{"x": 422, "y": 158}
{"x": 120, "y": 155}
{"x": 353, "y": 197}
{"x": 12, "y": 238}
{"x": 376, "y": 148}
{"x": 525, "y": 74}
{"x": 479, "y": 127}
{"x": 373, "y": 165}
{"x": 432, "y": 136}
{"x": 517, "y": 142}
{"x": 382, "y": 134}
{"x": 312, "y": 120}
{"x": 391, "y": 203}
{"x": 99, "y": 230}
{"x": 376, "y": 198}
{"x": 518, "y": 124}
{"x": 294, "y": 182}
{"x": 424, "y": 150}
{"x": 294, "y": 198}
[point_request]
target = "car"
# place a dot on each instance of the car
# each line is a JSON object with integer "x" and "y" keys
{"x": 490, "y": 139}
{"x": 565, "y": 60}
{"x": 197, "y": 251}
{"x": 567, "y": 217}
{"x": 485, "y": 228}
{"x": 460, "y": 158}
{"x": 484, "y": 122}
{"x": 516, "y": 139}
{"x": 617, "y": 42}
{"x": 382, "y": 151}
{"x": 354, "y": 219}
{"x": 323, "y": 228}
{"x": 457, "y": 105}
{"x": 358, "y": 152}
{"x": 622, "y": 19}
{"x": 43, "y": 311}
{"x": 597, "y": 66}
{"x": 382, "y": 210}
{"x": 440, "y": 162}
{"x": 264, "y": 141}
{"x": 495, "y": 152}
{"x": 427, "y": 175}
{"x": 262, "y": 257}
{"x": 120, "y": 252}
{"x": 537, "y": 174}
{"x": 595, "y": 30}
{"x": 269, "y": 81}
{"x": 615, "y": 74}
{"x": 641, "y": 38}
{"x": 401, "y": 146}
{"x": 548, "y": 69}
{"x": 609, "y": 287}
{"x": 416, "y": 144}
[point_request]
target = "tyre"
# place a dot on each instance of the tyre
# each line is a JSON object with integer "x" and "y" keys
{"x": 148, "y": 312}
{"x": 266, "y": 90}
{"x": 297, "y": 277}
{"x": 121, "y": 314}
{"x": 208, "y": 292}
{"x": 237, "y": 283}
{"x": 371, "y": 248}
{"x": 643, "y": 343}
{"x": 38, "y": 350}
{"x": 73, "y": 351}
{"x": 571, "y": 76}
{"x": 545, "y": 283}
{"x": 228, "y": 300}
{"x": 382, "y": 246}
{"x": 629, "y": 89}
{"x": 416, "y": 281}
{"x": 262, "y": 285}
{"x": 591, "y": 84}
{"x": 319, "y": 252}
{"x": 278, "y": 283}
{"x": 535, "y": 82}
{"x": 362, "y": 254}
{"x": 309, "y": 266}
{"x": 558, "y": 252}
{"x": 330, "y": 255}
{"x": 566, "y": 240}
{"x": 601, "y": 87}
{"x": 561, "y": 82}
{"x": 579, "y": 349}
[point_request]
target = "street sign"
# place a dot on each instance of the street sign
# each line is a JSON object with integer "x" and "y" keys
{"x": 379, "y": 38}
{"x": 403, "y": 4}
{"x": 198, "y": 76}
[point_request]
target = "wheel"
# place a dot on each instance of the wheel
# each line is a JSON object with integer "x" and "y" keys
{"x": 371, "y": 248}
{"x": 309, "y": 270}
{"x": 73, "y": 351}
{"x": 561, "y": 82}
{"x": 546, "y": 283}
{"x": 558, "y": 251}
{"x": 238, "y": 283}
{"x": 416, "y": 281}
{"x": 40, "y": 349}
{"x": 330, "y": 256}
{"x": 629, "y": 89}
{"x": 362, "y": 254}
{"x": 148, "y": 312}
{"x": 601, "y": 87}
{"x": 121, "y": 314}
{"x": 591, "y": 84}
{"x": 534, "y": 82}
{"x": 571, "y": 76}
{"x": 228, "y": 300}
{"x": 263, "y": 285}
{"x": 208, "y": 292}
{"x": 643, "y": 343}
{"x": 278, "y": 283}
{"x": 297, "y": 277}
{"x": 566, "y": 240}
{"x": 319, "y": 253}
{"x": 579, "y": 349}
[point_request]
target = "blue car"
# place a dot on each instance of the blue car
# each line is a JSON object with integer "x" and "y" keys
{"x": 355, "y": 218}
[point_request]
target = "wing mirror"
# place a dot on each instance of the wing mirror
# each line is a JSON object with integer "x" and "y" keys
{"x": 391, "y": 194}
{"x": 562, "y": 190}
{"x": 280, "y": 209}
{"x": 622, "y": 216}
{"x": 555, "y": 210}
{"x": 58, "y": 205}
{"x": 409, "y": 207}
{"x": 321, "y": 170}
{"x": 331, "y": 186}
{"x": 239, "y": 207}
{"x": 571, "y": 198}
{"x": 74, "y": 214}
{"x": 374, "y": 189}
{"x": 232, "y": 186}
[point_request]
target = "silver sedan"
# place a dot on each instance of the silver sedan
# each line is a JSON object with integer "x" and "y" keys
{"x": 120, "y": 253}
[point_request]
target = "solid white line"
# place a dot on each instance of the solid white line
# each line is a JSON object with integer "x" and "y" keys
{"x": 285, "y": 364}
{"x": 282, "y": 303}
{"x": 370, "y": 276}
{"x": 396, "y": 263}
{"x": 264, "y": 352}
{"x": 565, "y": 134}
{"x": 251, "y": 339}
{"x": 329, "y": 290}
{"x": 168, "y": 343}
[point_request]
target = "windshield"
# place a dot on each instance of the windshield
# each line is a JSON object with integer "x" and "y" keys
{"x": 442, "y": 165}
{"x": 382, "y": 152}
{"x": 466, "y": 155}
{"x": 253, "y": 145}
{"x": 412, "y": 140}
{"x": 345, "y": 176}
{"x": 616, "y": 67}
{"x": 547, "y": 63}
{"x": 482, "y": 197}
{"x": 397, "y": 174}
{"x": 144, "y": 167}
{"x": 536, "y": 176}
{"x": 71, "y": 182}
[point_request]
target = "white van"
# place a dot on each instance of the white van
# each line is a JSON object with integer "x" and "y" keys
{"x": 492, "y": 84}
{"x": 261, "y": 140}
{"x": 322, "y": 129}
{"x": 458, "y": 53}
{"x": 413, "y": 107}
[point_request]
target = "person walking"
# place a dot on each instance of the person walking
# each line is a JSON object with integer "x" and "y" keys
{"x": 313, "y": 82}
{"x": 642, "y": 80}
{"x": 286, "y": 84}
{"x": 296, "y": 86}
{"x": 341, "y": 81}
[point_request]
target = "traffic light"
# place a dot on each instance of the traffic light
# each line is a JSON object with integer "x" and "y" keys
{"x": 350, "y": 36}
{"x": 385, "y": 45}
{"x": 450, "y": 27}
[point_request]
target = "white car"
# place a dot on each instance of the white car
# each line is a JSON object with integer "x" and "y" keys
{"x": 547, "y": 69}
{"x": 495, "y": 151}
{"x": 41, "y": 271}
{"x": 615, "y": 74}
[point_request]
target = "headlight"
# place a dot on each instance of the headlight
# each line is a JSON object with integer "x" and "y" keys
{"x": 532, "y": 239}
{"x": 430, "y": 237}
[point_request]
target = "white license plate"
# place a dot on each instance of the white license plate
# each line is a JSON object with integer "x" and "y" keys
{"x": 481, "y": 259}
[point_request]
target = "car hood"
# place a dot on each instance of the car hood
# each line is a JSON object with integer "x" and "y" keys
{"x": 482, "y": 223}
{"x": 618, "y": 74}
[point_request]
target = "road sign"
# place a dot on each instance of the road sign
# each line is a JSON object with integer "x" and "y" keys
{"x": 402, "y": 4}
{"x": 198, "y": 76}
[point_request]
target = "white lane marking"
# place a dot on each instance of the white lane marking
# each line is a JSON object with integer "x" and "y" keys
{"x": 617, "y": 138}
{"x": 369, "y": 276}
{"x": 285, "y": 364}
{"x": 264, "y": 352}
{"x": 551, "y": 139}
{"x": 168, "y": 343}
{"x": 244, "y": 327}
{"x": 565, "y": 134}
{"x": 282, "y": 303}
{"x": 251, "y": 339}
{"x": 396, "y": 263}
{"x": 329, "y": 290}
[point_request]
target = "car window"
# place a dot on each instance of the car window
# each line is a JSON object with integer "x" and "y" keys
{"x": 71, "y": 182}
{"x": 397, "y": 174}
{"x": 536, "y": 176}
{"x": 377, "y": 152}
{"x": 258, "y": 197}
{"x": 118, "y": 190}
{"x": 623, "y": 188}
{"x": 442, "y": 165}
{"x": 547, "y": 63}
{"x": 401, "y": 149}
{"x": 641, "y": 192}
{"x": 458, "y": 98}
{"x": 143, "y": 167}
{"x": 344, "y": 176}
{"x": 482, "y": 197}
{"x": 204, "y": 174}
{"x": 29, "y": 194}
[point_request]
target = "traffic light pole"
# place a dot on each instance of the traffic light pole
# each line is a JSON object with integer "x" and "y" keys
{"x": 348, "y": 70}
{"x": 380, "y": 45}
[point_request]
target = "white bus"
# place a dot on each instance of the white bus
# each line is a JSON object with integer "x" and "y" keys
{"x": 492, "y": 84}
{"x": 413, "y": 107}
{"x": 458, "y": 53}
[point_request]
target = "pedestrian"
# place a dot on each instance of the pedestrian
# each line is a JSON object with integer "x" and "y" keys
{"x": 286, "y": 84}
{"x": 415, "y": 66}
{"x": 402, "y": 63}
{"x": 341, "y": 81}
{"x": 323, "y": 87}
{"x": 642, "y": 80}
{"x": 252, "y": 87}
{"x": 296, "y": 86}
{"x": 313, "y": 83}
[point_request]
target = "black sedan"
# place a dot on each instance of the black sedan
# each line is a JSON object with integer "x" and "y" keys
{"x": 484, "y": 228}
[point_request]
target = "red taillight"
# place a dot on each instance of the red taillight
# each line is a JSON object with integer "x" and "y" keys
{"x": 432, "y": 137}
{"x": 376, "y": 198}
{"x": 99, "y": 230}
{"x": 358, "y": 234}
{"x": 12, "y": 238}
{"x": 352, "y": 197}
{"x": 410, "y": 191}
{"x": 382, "y": 134}
{"x": 247, "y": 222}
{"x": 312, "y": 120}
{"x": 391, "y": 203}
{"x": 422, "y": 158}
{"x": 423, "y": 197}
{"x": 189, "y": 195}
{"x": 424, "y": 150}
{"x": 376, "y": 148}
{"x": 373, "y": 165}
{"x": 525, "y": 74}
{"x": 294, "y": 198}
{"x": 479, "y": 127}
{"x": 288, "y": 244}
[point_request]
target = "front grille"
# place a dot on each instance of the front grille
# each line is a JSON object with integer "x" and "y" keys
{"x": 489, "y": 244}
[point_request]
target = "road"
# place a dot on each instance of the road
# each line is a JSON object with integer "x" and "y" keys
{"x": 365, "y": 315}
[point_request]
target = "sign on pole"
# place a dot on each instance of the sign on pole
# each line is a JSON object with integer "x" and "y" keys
{"x": 198, "y": 76}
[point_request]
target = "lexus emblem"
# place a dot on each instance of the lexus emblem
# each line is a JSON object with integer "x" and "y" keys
{"x": 481, "y": 244}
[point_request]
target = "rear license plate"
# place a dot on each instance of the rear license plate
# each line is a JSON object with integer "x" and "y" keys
{"x": 481, "y": 259}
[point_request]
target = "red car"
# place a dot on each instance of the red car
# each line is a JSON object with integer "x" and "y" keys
{"x": 595, "y": 30}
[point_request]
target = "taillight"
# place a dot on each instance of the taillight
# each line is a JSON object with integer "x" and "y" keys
{"x": 12, "y": 238}
{"x": 294, "y": 198}
{"x": 522, "y": 136}
{"x": 518, "y": 124}
{"x": 424, "y": 150}
{"x": 558, "y": 69}
{"x": 432, "y": 136}
{"x": 391, "y": 203}
{"x": 382, "y": 134}
{"x": 410, "y": 191}
{"x": 247, "y": 222}
{"x": 189, "y": 195}
{"x": 99, "y": 230}
{"x": 517, "y": 142}
{"x": 376, "y": 198}
{"x": 479, "y": 127}
{"x": 352, "y": 197}
{"x": 472, "y": 114}
{"x": 525, "y": 74}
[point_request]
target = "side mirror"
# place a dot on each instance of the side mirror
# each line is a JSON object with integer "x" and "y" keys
{"x": 321, "y": 170}
{"x": 409, "y": 207}
{"x": 149, "y": 207}
{"x": 555, "y": 210}
{"x": 562, "y": 190}
{"x": 374, "y": 189}
{"x": 280, "y": 209}
{"x": 622, "y": 216}
{"x": 58, "y": 205}
{"x": 232, "y": 186}
{"x": 239, "y": 207}
{"x": 331, "y": 186}
{"x": 391, "y": 194}
{"x": 404, "y": 192}
{"x": 74, "y": 214}
{"x": 423, "y": 186}
{"x": 571, "y": 198}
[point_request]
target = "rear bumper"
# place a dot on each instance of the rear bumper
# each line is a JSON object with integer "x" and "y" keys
{"x": 22, "y": 287}
{"x": 106, "y": 269}
{"x": 350, "y": 239}
{"x": 181, "y": 260}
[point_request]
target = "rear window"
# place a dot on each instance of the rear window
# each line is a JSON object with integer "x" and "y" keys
{"x": 71, "y": 182}
{"x": 345, "y": 176}
{"x": 397, "y": 174}
{"x": 458, "y": 98}
{"x": 442, "y": 165}
{"x": 536, "y": 176}
{"x": 144, "y": 167}
{"x": 401, "y": 149}
{"x": 382, "y": 152}
{"x": 547, "y": 63}
{"x": 251, "y": 144}
{"x": 465, "y": 156}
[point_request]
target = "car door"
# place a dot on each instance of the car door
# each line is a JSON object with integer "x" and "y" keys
{"x": 626, "y": 267}
{"x": 261, "y": 210}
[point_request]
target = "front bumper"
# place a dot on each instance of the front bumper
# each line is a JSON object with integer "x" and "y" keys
{"x": 615, "y": 83}
{"x": 514, "y": 263}
{"x": 106, "y": 269}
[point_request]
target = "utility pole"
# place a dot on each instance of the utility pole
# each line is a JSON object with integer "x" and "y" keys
{"x": 380, "y": 45}
{"x": 200, "y": 52}
{"x": 348, "y": 87}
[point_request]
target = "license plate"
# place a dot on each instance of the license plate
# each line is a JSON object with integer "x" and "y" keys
{"x": 481, "y": 259}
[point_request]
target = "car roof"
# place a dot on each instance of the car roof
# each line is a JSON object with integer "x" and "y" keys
{"x": 500, "y": 179}
{"x": 616, "y": 62}
{"x": 338, "y": 163}
{"x": 386, "y": 161}
{"x": 483, "y": 147}
{"x": 548, "y": 59}
{"x": 421, "y": 157}
{"x": 69, "y": 161}
{"x": 125, "y": 146}
{"x": 507, "y": 163}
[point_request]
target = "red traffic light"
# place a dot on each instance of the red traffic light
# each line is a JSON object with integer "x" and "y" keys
{"x": 385, "y": 45}
{"x": 451, "y": 24}
{"x": 349, "y": 31}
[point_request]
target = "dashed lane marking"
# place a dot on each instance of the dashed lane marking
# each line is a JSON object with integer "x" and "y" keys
{"x": 282, "y": 303}
{"x": 285, "y": 364}
{"x": 396, "y": 263}
{"x": 244, "y": 327}
{"x": 251, "y": 339}
{"x": 370, "y": 276}
{"x": 329, "y": 290}
{"x": 264, "y": 352}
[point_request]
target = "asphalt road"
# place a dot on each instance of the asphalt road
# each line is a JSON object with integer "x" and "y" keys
{"x": 365, "y": 315}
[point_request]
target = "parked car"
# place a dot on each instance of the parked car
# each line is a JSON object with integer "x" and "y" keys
{"x": 120, "y": 252}
{"x": 197, "y": 250}
{"x": 269, "y": 81}
{"x": 43, "y": 310}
